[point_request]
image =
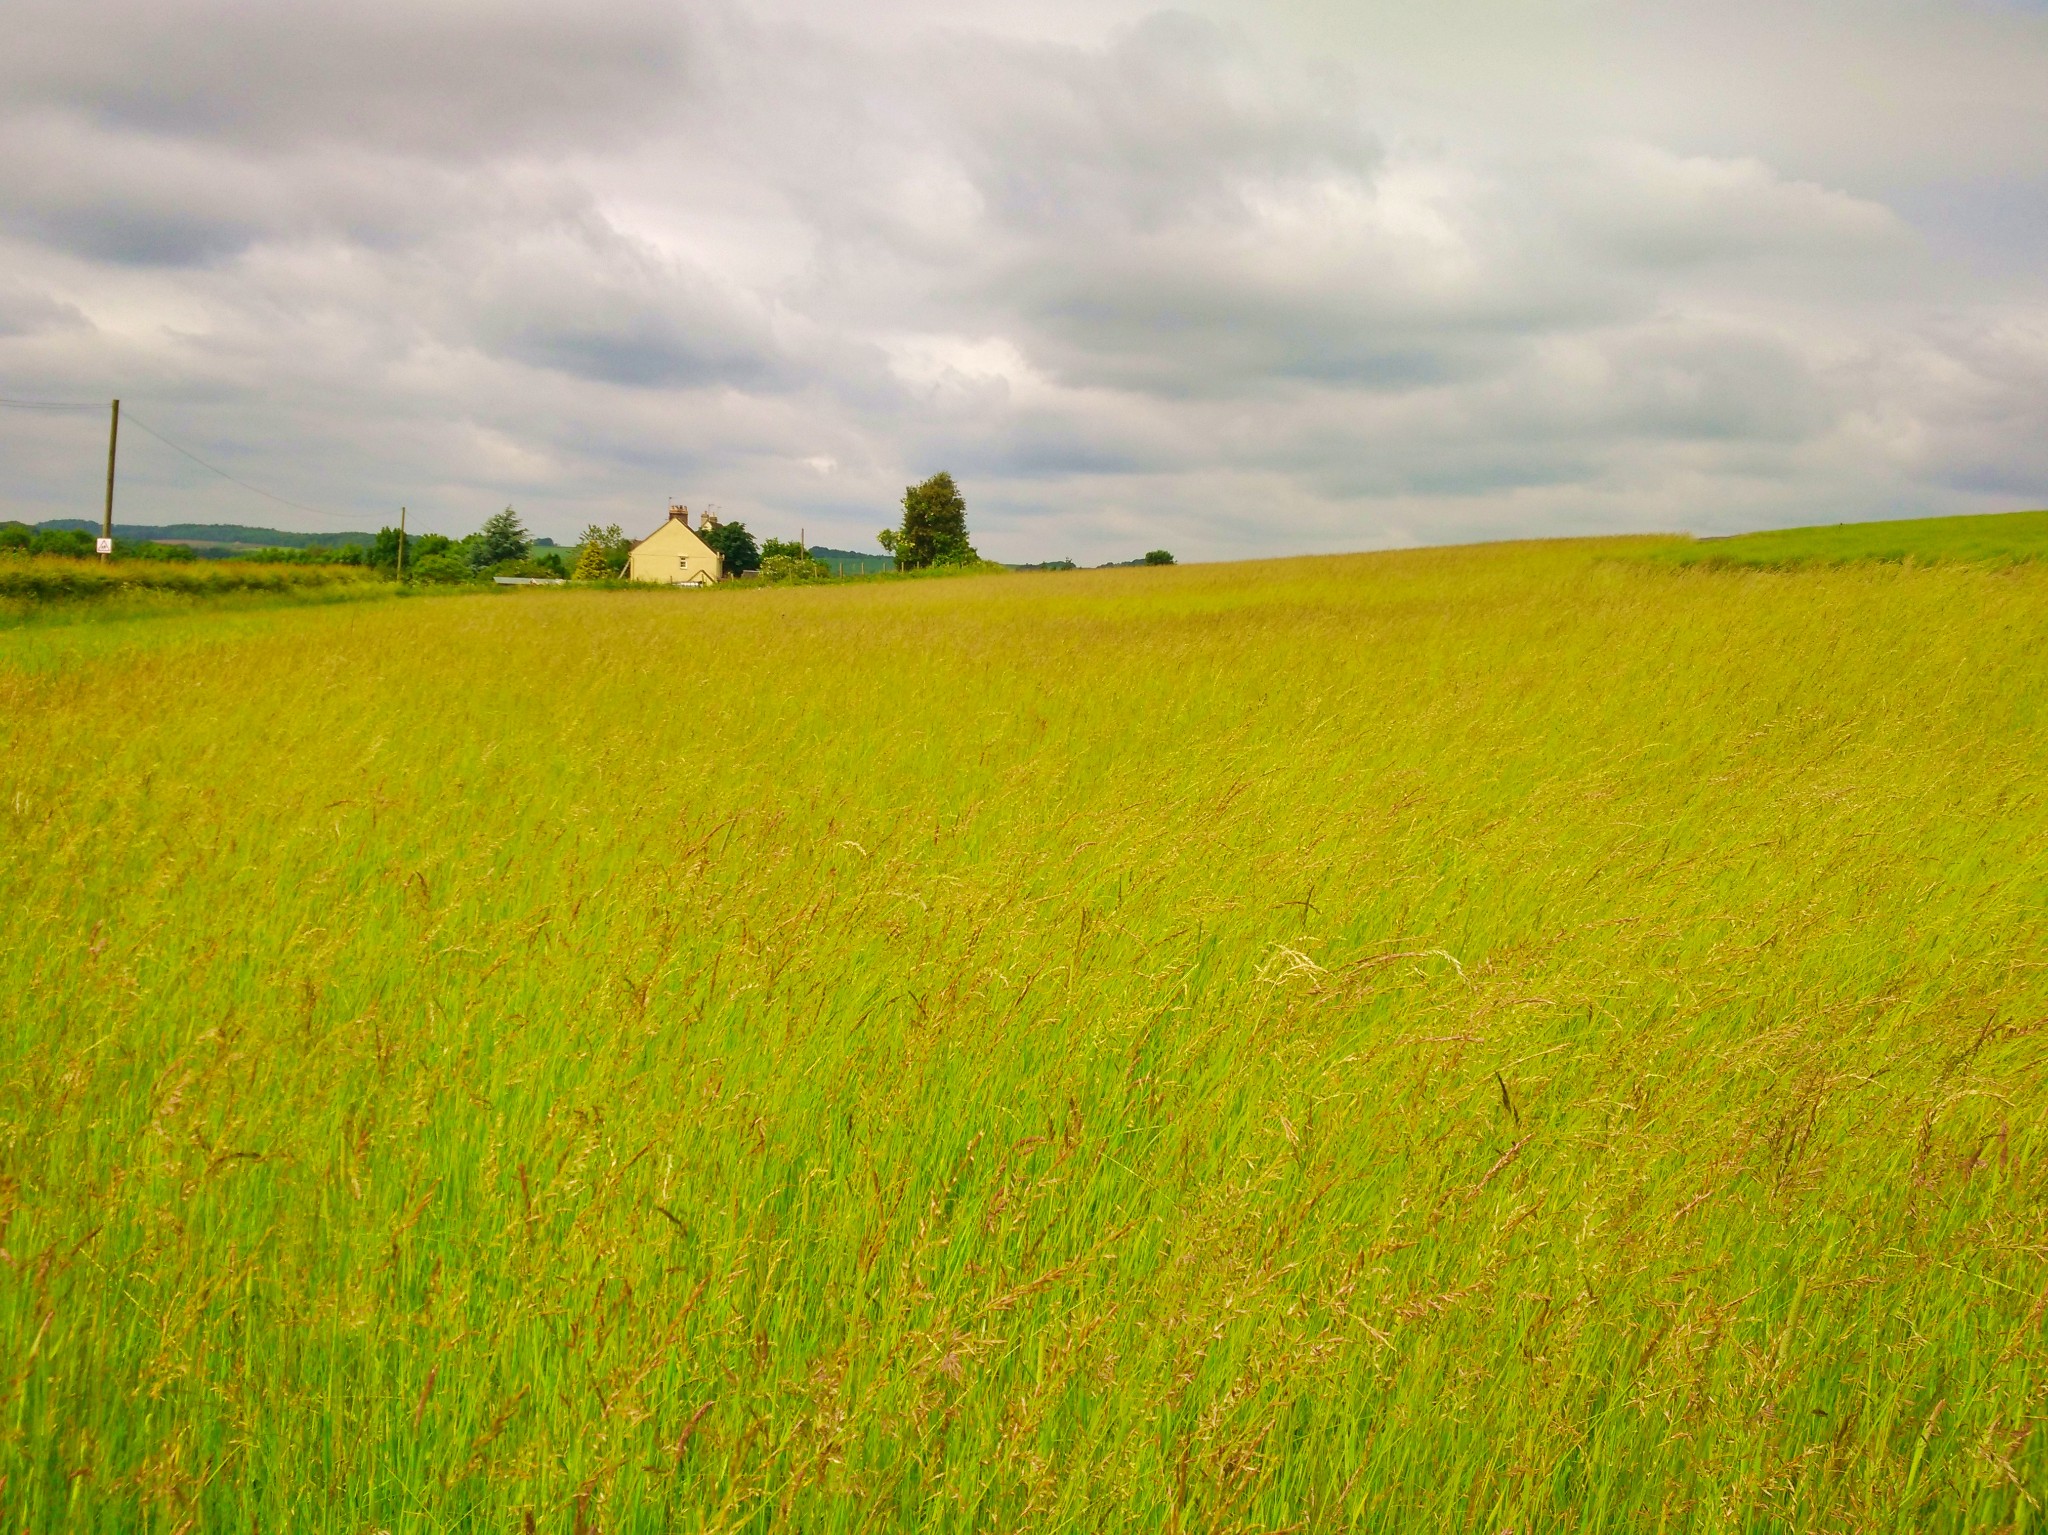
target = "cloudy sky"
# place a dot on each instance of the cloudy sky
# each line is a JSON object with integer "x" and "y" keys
{"x": 1232, "y": 278}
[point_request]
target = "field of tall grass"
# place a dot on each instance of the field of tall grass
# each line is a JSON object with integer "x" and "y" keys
{"x": 1479, "y": 1039}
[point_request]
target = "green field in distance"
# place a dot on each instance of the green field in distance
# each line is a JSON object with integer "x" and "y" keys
{"x": 1998, "y": 538}
{"x": 1481, "y": 1039}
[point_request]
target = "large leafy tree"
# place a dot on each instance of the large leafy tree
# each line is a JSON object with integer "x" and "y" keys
{"x": 502, "y": 538}
{"x": 734, "y": 544}
{"x": 934, "y": 530}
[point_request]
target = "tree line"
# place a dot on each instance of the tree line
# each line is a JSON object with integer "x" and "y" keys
{"x": 931, "y": 535}
{"x": 70, "y": 543}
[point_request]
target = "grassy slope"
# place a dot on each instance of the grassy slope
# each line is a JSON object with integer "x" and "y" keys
{"x": 2002, "y": 538}
{"x": 1473, "y": 1038}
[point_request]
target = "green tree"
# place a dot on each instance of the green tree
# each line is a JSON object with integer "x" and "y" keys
{"x": 384, "y": 552}
{"x": 1158, "y": 557}
{"x": 502, "y": 538}
{"x": 732, "y": 542}
{"x": 602, "y": 553}
{"x": 418, "y": 547}
{"x": 934, "y": 530}
{"x": 69, "y": 541}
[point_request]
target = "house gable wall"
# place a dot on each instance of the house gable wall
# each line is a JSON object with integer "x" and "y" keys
{"x": 673, "y": 555}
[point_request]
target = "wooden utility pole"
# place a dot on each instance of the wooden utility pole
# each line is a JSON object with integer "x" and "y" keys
{"x": 401, "y": 543}
{"x": 107, "y": 518}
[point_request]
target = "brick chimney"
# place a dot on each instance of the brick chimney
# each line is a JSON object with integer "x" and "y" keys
{"x": 679, "y": 514}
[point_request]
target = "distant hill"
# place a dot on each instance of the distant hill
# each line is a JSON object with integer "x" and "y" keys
{"x": 230, "y": 535}
{"x": 852, "y": 562}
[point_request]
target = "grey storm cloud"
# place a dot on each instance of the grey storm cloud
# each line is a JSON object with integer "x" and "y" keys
{"x": 26, "y": 312}
{"x": 1230, "y": 278}
{"x": 585, "y": 300}
{"x": 466, "y": 81}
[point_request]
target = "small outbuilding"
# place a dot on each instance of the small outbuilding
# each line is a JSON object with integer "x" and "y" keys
{"x": 674, "y": 555}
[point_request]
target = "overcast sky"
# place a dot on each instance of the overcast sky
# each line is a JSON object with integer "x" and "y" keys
{"x": 1284, "y": 276}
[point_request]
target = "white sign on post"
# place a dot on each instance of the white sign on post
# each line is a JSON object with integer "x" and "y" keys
{"x": 103, "y": 545}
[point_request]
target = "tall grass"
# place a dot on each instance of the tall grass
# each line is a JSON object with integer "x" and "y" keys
{"x": 1475, "y": 1039}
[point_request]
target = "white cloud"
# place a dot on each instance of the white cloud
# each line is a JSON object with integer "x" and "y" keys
{"x": 1645, "y": 204}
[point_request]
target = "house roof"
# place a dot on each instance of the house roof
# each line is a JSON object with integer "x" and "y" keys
{"x": 675, "y": 520}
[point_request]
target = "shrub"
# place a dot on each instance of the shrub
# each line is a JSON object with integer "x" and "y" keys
{"x": 58, "y": 579}
{"x": 419, "y": 545}
{"x": 440, "y": 569}
{"x": 531, "y": 569}
{"x": 72, "y": 543}
{"x": 176, "y": 554}
{"x": 310, "y": 554}
{"x": 784, "y": 568}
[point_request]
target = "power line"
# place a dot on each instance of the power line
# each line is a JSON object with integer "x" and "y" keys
{"x": 46, "y": 405}
{"x": 135, "y": 420}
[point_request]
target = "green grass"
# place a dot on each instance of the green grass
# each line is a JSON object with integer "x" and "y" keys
{"x": 2002, "y": 538}
{"x": 1473, "y": 1039}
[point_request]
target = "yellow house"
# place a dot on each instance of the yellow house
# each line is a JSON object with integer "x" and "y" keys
{"x": 674, "y": 555}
